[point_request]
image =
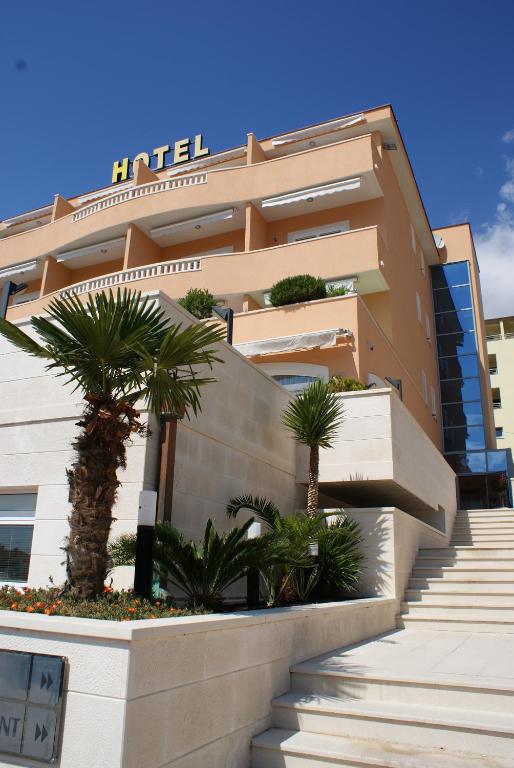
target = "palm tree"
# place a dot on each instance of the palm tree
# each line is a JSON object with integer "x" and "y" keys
{"x": 314, "y": 417}
{"x": 117, "y": 350}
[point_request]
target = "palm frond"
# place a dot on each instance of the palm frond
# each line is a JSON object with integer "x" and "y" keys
{"x": 314, "y": 416}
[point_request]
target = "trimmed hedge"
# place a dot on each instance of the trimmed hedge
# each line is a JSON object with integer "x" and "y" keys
{"x": 198, "y": 301}
{"x": 292, "y": 290}
{"x": 342, "y": 384}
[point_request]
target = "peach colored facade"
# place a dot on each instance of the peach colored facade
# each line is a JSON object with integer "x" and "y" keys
{"x": 337, "y": 200}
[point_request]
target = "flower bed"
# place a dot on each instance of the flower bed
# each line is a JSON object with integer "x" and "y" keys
{"x": 117, "y": 606}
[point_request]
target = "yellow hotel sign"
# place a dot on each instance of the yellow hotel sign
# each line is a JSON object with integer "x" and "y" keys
{"x": 181, "y": 154}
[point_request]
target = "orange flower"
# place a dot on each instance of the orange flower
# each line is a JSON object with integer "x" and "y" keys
{"x": 58, "y": 602}
{"x": 107, "y": 589}
{"x": 39, "y": 605}
{"x": 48, "y": 611}
{"x": 153, "y": 616}
{"x": 14, "y": 606}
{"x": 158, "y": 603}
{"x": 29, "y": 609}
{"x": 131, "y": 610}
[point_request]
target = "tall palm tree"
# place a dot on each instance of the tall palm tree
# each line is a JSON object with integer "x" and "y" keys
{"x": 117, "y": 350}
{"x": 314, "y": 417}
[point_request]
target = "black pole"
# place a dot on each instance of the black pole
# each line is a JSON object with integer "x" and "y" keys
{"x": 253, "y": 589}
{"x": 226, "y": 314}
{"x": 9, "y": 290}
{"x": 143, "y": 571}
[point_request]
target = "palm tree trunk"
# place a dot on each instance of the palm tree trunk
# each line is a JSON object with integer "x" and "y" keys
{"x": 93, "y": 489}
{"x": 313, "y": 492}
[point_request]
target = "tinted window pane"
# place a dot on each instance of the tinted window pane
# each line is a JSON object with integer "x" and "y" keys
{"x": 497, "y": 461}
{"x": 18, "y": 502}
{"x": 448, "y": 299}
{"x": 15, "y": 545}
{"x": 467, "y": 463}
{"x": 462, "y": 413}
{"x": 462, "y": 367}
{"x": 498, "y": 488}
{"x": 464, "y": 439}
{"x": 453, "y": 322}
{"x": 460, "y": 390}
{"x": 450, "y": 274}
{"x": 456, "y": 343}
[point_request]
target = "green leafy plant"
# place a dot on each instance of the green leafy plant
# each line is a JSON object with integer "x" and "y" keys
{"x": 199, "y": 302}
{"x": 204, "y": 571}
{"x": 116, "y": 350}
{"x": 333, "y": 290}
{"x": 292, "y": 290}
{"x": 295, "y": 573}
{"x": 344, "y": 384}
{"x": 122, "y": 551}
{"x": 314, "y": 417}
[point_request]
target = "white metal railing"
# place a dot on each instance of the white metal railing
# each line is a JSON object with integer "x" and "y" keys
{"x": 141, "y": 191}
{"x": 137, "y": 273}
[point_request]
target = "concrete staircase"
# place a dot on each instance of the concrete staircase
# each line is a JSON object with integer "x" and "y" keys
{"x": 469, "y": 585}
{"x": 382, "y": 704}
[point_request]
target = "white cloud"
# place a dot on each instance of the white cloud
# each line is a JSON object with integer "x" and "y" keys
{"x": 495, "y": 251}
{"x": 508, "y": 136}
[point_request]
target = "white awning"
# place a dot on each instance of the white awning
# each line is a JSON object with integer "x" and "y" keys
{"x": 197, "y": 222}
{"x": 317, "y": 130}
{"x": 317, "y": 339}
{"x": 25, "y": 268}
{"x": 312, "y": 192}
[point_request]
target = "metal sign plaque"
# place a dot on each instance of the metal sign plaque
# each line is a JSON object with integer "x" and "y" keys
{"x": 31, "y": 687}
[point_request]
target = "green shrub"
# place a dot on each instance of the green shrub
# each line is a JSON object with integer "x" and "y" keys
{"x": 292, "y": 290}
{"x": 122, "y": 550}
{"x": 199, "y": 302}
{"x": 292, "y": 573}
{"x": 342, "y": 384}
{"x": 116, "y": 606}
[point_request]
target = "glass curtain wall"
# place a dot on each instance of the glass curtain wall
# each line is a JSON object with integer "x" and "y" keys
{"x": 483, "y": 474}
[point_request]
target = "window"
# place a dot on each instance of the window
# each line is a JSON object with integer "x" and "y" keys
{"x": 418, "y": 307}
{"x": 295, "y": 376}
{"x": 17, "y": 512}
{"x": 508, "y": 327}
{"x": 493, "y": 365}
{"x": 454, "y": 322}
{"x": 456, "y": 344}
{"x": 428, "y": 331}
{"x": 463, "y": 367}
{"x": 460, "y": 390}
{"x": 462, "y": 414}
{"x": 433, "y": 401}
{"x": 327, "y": 229}
{"x": 493, "y": 330}
{"x": 464, "y": 439}
{"x": 499, "y": 432}
{"x": 497, "y": 398}
{"x": 422, "y": 263}
{"x": 452, "y": 299}
{"x": 450, "y": 275}
{"x": 424, "y": 386}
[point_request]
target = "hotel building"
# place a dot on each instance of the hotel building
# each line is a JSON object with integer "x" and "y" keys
{"x": 500, "y": 348}
{"x": 337, "y": 200}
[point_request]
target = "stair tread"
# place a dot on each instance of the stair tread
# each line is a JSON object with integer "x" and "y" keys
{"x": 446, "y": 606}
{"x": 481, "y": 720}
{"x": 370, "y": 752}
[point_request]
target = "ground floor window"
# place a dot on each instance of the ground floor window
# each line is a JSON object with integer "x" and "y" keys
{"x": 17, "y": 511}
{"x": 295, "y": 376}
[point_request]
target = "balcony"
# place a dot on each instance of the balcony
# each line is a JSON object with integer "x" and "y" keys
{"x": 361, "y": 254}
{"x": 167, "y": 201}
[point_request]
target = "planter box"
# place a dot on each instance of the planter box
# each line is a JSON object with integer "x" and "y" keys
{"x": 182, "y": 692}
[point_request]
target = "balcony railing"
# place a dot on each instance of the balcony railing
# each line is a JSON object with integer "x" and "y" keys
{"x": 137, "y": 273}
{"x": 140, "y": 191}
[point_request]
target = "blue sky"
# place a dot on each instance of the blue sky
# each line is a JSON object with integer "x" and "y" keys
{"x": 85, "y": 83}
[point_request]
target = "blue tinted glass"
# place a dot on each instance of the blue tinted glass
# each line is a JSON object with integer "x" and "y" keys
{"x": 462, "y": 367}
{"x": 447, "y": 299}
{"x": 460, "y": 390}
{"x": 450, "y": 274}
{"x": 464, "y": 439}
{"x": 456, "y": 343}
{"x": 467, "y": 463}
{"x": 460, "y": 414}
{"x": 497, "y": 461}
{"x": 453, "y": 322}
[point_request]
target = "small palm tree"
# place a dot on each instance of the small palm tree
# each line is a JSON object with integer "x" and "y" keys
{"x": 116, "y": 351}
{"x": 314, "y": 417}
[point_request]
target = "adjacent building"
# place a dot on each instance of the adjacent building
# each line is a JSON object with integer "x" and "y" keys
{"x": 337, "y": 200}
{"x": 500, "y": 348}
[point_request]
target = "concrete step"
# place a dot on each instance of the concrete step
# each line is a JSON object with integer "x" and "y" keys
{"x": 484, "y": 525}
{"x": 482, "y": 517}
{"x": 279, "y": 748}
{"x": 460, "y": 610}
{"x": 451, "y": 597}
{"x": 466, "y": 552}
{"x": 478, "y": 572}
{"x": 404, "y": 687}
{"x": 444, "y": 624}
{"x": 425, "y": 726}
{"x": 465, "y": 560}
{"x": 466, "y": 585}
{"x": 484, "y": 542}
